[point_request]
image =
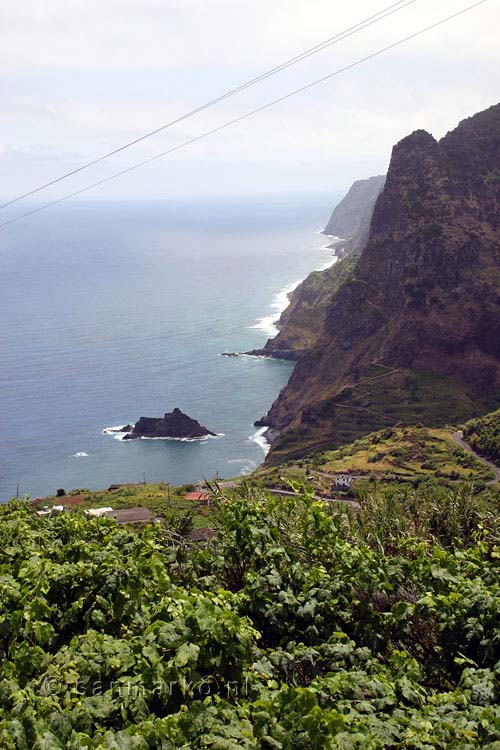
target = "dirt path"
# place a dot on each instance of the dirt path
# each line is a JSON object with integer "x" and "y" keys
{"x": 458, "y": 438}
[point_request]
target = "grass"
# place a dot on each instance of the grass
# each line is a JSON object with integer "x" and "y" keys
{"x": 310, "y": 303}
{"x": 376, "y": 401}
{"x": 483, "y": 435}
{"x": 395, "y": 454}
{"x": 408, "y": 452}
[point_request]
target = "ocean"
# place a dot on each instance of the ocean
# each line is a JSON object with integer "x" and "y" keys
{"x": 112, "y": 311}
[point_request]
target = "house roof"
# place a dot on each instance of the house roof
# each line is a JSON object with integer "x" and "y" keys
{"x": 197, "y": 496}
{"x": 113, "y": 487}
{"x": 131, "y": 515}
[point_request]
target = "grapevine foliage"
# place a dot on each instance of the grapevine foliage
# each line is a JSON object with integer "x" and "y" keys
{"x": 285, "y": 632}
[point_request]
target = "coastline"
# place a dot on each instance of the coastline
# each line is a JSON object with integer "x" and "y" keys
{"x": 264, "y": 436}
{"x": 155, "y": 343}
{"x": 281, "y": 300}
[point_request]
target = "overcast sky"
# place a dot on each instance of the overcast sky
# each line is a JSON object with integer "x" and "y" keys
{"x": 79, "y": 77}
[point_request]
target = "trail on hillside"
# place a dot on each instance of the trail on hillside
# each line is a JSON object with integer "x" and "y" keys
{"x": 458, "y": 437}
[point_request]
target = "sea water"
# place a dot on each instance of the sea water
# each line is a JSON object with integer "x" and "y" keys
{"x": 112, "y": 311}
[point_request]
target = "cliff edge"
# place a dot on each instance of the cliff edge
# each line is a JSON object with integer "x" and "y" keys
{"x": 412, "y": 335}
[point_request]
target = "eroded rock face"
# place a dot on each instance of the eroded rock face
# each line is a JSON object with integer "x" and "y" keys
{"x": 425, "y": 293}
{"x": 175, "y": 424}
{"x": 302, "y": 323}
{"x": 353, "y": 214}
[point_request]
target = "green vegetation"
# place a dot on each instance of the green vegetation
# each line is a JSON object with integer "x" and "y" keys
{"x": 381, "y": 398}
{"x": 303, "y": 624}
{"x": 304, "y": 319}
{"x": 162, "y": 499}
{"x": 395, "y": 454}
{"x": 483, "y": 435}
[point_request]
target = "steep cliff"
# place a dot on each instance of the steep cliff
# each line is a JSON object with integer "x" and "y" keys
{"x": 413, "y": 335}
{"x": 301, "y": 324}
{"x": 352, "y": 216}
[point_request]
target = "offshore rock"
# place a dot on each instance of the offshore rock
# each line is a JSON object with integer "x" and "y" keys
{"x": 175, "y": 424}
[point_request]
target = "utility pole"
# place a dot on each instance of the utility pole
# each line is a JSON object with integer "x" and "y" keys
{"x": 144, "y": 477}
{"x": 17, "y": 491}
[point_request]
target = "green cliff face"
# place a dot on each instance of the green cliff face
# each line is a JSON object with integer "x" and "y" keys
{"x": 353, "y": 215}
{"x": 423, "y": 301}
{"x": 302, "y": 323}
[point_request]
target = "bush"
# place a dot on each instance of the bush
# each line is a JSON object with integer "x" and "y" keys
{"x": 303, "y": 624}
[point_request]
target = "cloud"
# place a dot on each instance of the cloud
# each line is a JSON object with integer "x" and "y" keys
{"x": 171, "y": 34}
{"x": 81, "y": 76}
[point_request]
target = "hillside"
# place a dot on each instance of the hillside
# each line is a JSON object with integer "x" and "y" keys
{"x": 395, "y": 455}
{"x": 483, "y": 434}
{"x": 412, "y": 335}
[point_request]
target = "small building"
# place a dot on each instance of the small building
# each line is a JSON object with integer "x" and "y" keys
{"x": 136, "y": 515}
{"x": 114, "y": 487}
{"x": 198, "y": 497}
{"x": 98, "y": 512}
{"x": 343, "y": 480}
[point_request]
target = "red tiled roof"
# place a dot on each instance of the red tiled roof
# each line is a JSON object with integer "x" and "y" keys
{"x": 197, "y": 496}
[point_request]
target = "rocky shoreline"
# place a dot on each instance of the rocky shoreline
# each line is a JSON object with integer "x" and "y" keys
{"x": 291, "y": 355}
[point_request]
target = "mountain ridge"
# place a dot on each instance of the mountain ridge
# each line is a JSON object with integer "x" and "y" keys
{"x": 425, "y": 296}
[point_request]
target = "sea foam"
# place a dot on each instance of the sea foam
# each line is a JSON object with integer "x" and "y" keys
{"x": 268, "y": 324}
{"x": 118, "y": 434}
{"x": 260, "y": 439}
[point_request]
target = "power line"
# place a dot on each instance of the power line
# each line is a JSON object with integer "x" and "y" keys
{"x": 366, "y": 23}
{"x": 247, "y": 114}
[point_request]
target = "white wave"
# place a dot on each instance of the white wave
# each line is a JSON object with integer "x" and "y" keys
{"x": 185, "y": 439}
{"x": 268, "y": 324}
{"x": 79, "y": 454}
{"x": 117, "y": 432}
{"x": 331, "y": 262}
{"x": 260, "y": 439}
{"x": 278, "y": 305}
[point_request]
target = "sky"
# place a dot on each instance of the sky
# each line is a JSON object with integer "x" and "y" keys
{"x": 81, "y": 77}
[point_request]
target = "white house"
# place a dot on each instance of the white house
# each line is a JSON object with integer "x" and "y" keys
{"x": 343, "y": 480}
